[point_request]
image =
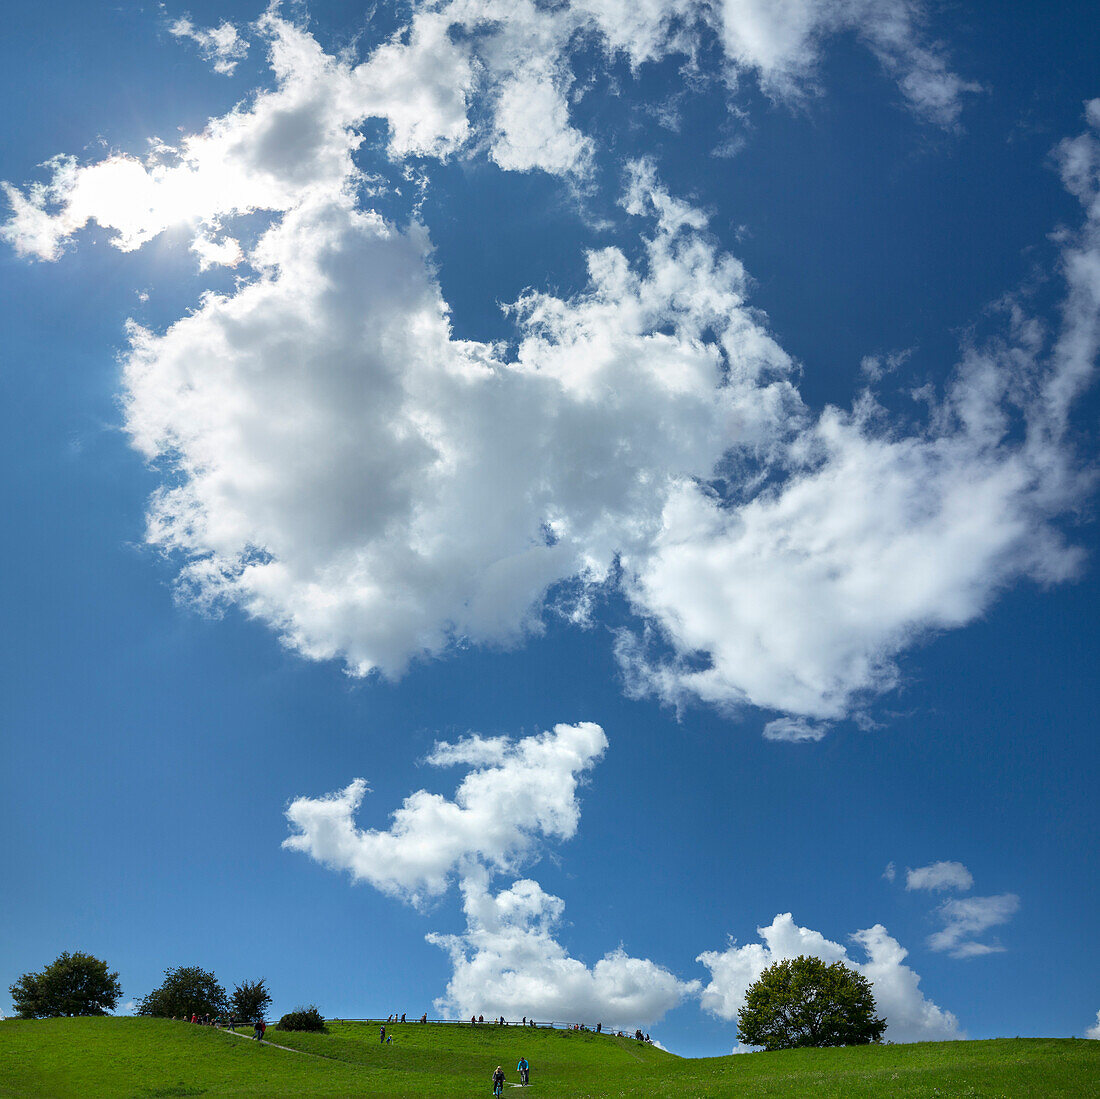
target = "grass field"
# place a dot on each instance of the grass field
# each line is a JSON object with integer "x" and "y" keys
{"x": 152, "y": 1057}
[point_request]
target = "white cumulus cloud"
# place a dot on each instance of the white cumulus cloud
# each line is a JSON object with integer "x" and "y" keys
{"x": 1094, "y": 1030}
{"x": 343, "y": 469}
{"x": 508, "y": 962}
{"x": 495, "y": 72}
{"x": 516, "y": 793}
{"x": 374, "y": 489}
{"x": 909, "y": 1015}
{"x": 939, "y": 876}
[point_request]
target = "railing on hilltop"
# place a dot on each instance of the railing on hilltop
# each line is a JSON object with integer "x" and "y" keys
{"x": 553, "y": 1024}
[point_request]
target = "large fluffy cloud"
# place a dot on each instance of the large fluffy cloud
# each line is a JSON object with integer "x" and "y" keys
{"x": 508, "y": 962}
{"x": 801, "y": 598}
{"x": 343, "y": 469}
{"x": 910, "y": 1016}
{"x": 373, "y": 488}
{"x": 513, "y": 794}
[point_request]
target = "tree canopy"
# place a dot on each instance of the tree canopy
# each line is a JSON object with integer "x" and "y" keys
{"x": 73, "y": 984}
{"x": 804, "y": 1002}
{"x": 250, "y": 999}
{"x": 187, "y": 990}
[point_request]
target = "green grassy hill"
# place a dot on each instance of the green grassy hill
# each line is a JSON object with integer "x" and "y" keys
{"x": 152, "y": 1057}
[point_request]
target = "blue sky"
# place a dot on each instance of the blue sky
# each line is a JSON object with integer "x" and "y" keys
{"x": 653, "y": 447}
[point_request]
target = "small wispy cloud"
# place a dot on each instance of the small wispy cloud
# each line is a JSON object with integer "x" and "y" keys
{"x": 221, "y": 45}
{"x": 795, "y": 730}
{"x": 938, "y": 876}
{"x": 965, "y": 917}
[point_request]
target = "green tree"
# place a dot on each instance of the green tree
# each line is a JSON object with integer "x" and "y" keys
{"x": 74, "y": 984}
{"x": 250, "y": 1000}
{"x": 187, "y": 990}
{"x": 804, "y": 1002}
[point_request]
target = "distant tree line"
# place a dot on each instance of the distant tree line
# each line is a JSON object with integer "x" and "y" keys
{"x": 80, "y": 984}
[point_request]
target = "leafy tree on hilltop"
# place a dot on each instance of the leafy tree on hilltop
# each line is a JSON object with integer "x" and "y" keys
{"x": 250, "y": 999}
{"x": 804, "y": 1002}
{"x": 74, "y": 984}
{"x": 186, "y": 990}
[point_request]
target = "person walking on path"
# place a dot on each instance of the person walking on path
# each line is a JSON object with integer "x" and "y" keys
{"x": 498, "y": 1081}
{"x": 524, "y": 1070}
{"x": 382, "y": 1035}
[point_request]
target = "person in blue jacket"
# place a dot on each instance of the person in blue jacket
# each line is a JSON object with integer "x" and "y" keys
{"x": 524, "y": 1070}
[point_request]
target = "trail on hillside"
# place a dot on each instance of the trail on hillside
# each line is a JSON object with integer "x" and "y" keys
{"x": 289, "y": 1049}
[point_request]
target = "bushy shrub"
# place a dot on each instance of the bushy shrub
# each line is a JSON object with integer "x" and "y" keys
{"x": 302, "y": 1018}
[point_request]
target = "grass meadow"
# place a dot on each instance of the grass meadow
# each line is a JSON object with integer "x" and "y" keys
{"x": 154, "y": 1057}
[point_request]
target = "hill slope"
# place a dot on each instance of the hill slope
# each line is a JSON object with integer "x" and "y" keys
{"x": 152, "y": 1057}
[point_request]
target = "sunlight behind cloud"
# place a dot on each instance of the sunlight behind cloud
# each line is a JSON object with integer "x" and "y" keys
{"x": 378, "y": 491}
